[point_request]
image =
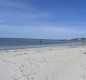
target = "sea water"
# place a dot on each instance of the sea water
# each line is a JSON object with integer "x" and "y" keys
{"x": 13, "y": 43}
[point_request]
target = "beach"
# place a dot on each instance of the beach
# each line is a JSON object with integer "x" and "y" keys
{"x": 46, "y": 63}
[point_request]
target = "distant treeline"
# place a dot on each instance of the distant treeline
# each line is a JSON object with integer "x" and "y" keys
{"x": 83, "y": 40}
{"x": 79, "y": 39}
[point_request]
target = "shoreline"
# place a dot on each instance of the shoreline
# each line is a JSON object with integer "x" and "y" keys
{"x": 38, "y": 46}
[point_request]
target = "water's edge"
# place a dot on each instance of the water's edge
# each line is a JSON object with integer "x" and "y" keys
{"x": 19, "y": 43}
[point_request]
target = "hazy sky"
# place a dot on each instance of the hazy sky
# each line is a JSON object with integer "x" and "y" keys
{"x": 57, "y": 19}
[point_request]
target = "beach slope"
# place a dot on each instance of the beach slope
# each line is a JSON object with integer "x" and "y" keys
{"x": 48, "y": 63}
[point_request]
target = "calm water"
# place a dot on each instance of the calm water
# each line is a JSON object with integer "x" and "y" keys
{"x": 12, "y": 43}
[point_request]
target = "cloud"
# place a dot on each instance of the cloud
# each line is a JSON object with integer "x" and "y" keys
{"x": 12, "y": 4}
{"x": 20, "y": 18}
{"x": 22, "y": 12}
{"x": 40, "y": 32}
{"x": 17, "y": 13}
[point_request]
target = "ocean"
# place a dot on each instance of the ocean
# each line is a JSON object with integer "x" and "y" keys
{"x": 13, "y": 43}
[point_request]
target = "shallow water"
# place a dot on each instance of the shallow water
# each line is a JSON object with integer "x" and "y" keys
{"x": 13, "y": 43}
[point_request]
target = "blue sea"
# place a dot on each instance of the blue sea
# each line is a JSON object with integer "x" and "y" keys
{"x": 14, "y": 43}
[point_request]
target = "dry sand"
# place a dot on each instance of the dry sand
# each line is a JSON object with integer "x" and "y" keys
{"x": 49, "y": 63}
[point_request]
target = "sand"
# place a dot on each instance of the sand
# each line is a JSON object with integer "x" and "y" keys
{"x": 48, "y": 63}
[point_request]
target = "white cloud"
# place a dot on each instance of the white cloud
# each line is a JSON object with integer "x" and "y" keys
{"x": 41, "y": 32}
{"x": 11, "y": 3}
{"x": 13, "y": 12}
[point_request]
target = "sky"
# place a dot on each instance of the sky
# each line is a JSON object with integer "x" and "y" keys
{"x": 43, "y": 19}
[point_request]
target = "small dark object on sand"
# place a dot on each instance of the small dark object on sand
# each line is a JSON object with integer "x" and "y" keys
{"x": 84, "y": 52}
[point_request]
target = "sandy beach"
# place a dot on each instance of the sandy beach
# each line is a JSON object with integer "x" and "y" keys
{"x": 48, "y": 63}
